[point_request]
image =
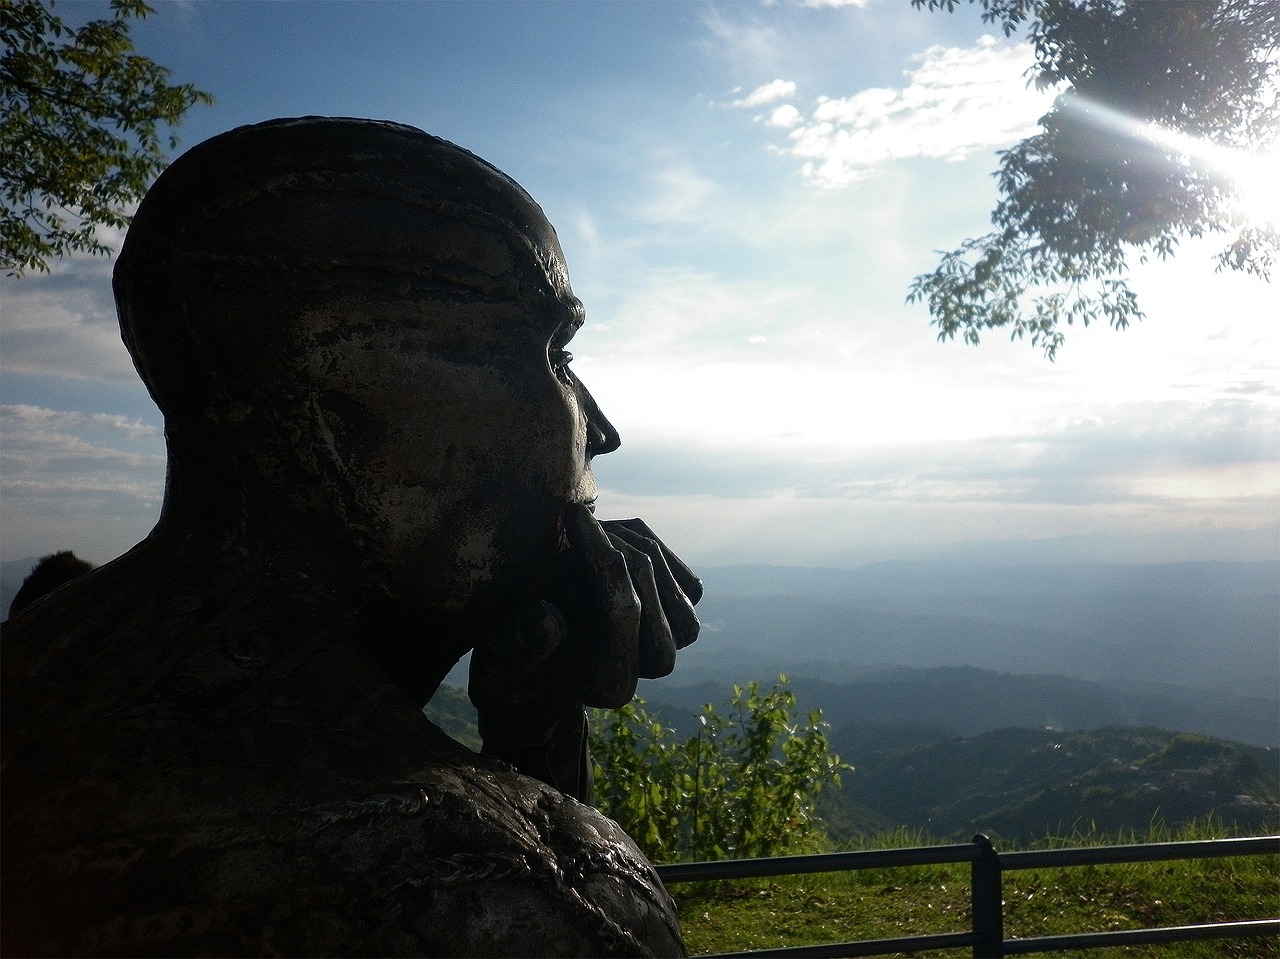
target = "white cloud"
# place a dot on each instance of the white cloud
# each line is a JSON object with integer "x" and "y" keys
{"x": 749, "y": 45}
{"x": 63, "y": 323}
{"x": 785, "y": 116}
{"x": 823, "y": 4}
{"x": 1158, "y": 470}
{"x": 28, "y": 418}
{"x": 957, "y": 102}
{"x": 52, "y": 446}
{"x": 678, "y": 195}
{"x": 833, "y": 432}
{"x": 588, "y": 232}
{"x": 676, "y": 316}
{"x": 770, "y": 92}
{"x": 88, "y": 481}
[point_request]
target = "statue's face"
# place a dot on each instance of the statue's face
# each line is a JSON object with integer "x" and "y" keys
{"x": 461, "y": 432}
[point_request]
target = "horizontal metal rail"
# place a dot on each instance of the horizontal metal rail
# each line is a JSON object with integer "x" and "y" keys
{"x": 1141, "y": 852}
{"x": 820, "y": 862}
{"x": 985, "y": 937}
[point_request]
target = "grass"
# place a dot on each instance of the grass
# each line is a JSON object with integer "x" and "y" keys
{"x": 906, "y": 901}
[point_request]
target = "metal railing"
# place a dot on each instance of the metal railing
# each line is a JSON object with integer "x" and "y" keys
{"x": 987, "y": 865}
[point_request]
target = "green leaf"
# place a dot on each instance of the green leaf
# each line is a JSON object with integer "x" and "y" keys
{"x": 1093, "y": 186}
{"x": 81, "y": 129}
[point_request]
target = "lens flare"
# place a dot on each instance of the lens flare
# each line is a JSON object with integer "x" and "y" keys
{"x": 1256, "y": 172}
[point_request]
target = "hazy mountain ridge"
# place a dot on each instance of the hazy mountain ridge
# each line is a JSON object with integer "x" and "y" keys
{"x": 450, "y": 709}
{"x": 1026, "y": 784}
{"x": 966, "y": 701}
{"x": 1210, "y": 641}
{"x": 911, "y": 767}
{"x": 1021, "y": 784}
{"x": 925, "y": 578}
{"x": 1177, "y": 628}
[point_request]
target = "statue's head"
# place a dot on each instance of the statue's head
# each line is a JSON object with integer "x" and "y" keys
{"x": 362, "y": 329}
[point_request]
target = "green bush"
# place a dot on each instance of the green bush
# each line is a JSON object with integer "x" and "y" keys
{"x": 746, "y": 785}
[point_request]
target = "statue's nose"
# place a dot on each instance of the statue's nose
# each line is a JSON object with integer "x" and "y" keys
{"x": 601, "y": 436}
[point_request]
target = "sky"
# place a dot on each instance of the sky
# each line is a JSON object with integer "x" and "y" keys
{"x": 744, "y": 192}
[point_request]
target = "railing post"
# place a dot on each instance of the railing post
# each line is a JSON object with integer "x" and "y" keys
{"x": 987, "y": 900}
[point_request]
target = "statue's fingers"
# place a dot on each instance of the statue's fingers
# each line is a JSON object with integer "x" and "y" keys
{"x": 690, "y": 583}
{"x": 612, "y": 666}
{"x": 678, "y": 609}
{"x": 657, "y": 647}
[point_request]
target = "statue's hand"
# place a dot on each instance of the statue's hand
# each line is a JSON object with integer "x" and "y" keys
{"x": 667, "y": 589}
{"x": 619, "y": 605}
{"x": 639, "y": 609}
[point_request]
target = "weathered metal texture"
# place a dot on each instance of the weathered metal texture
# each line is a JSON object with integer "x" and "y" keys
{"x": 379, "y": 459}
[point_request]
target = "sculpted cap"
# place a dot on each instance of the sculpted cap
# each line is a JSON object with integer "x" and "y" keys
{"x": 339, "y": 207}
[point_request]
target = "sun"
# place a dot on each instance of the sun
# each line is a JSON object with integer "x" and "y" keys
{"x": 1256, "y": 172}
{"x": 1258, "y": 178}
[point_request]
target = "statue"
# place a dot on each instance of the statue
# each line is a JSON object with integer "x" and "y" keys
{"x": 379, "y": 459}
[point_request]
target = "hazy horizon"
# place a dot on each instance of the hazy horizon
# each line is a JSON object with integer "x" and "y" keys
{"x": 744, "y": 193}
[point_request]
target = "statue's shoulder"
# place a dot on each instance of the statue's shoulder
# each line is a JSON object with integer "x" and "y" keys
{"x": 451, "y": 858}
{"x": 214, "y": 777}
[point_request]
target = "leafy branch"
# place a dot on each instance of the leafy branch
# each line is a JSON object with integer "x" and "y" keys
{"x": 80, "y": 129}
{"x": 1126, "y": 163}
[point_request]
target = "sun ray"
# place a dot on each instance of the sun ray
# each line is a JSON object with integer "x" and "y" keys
{"x": 1255, "y": 172}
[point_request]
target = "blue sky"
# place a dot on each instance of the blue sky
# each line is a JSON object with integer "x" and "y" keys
{"x": 744, "y": 192}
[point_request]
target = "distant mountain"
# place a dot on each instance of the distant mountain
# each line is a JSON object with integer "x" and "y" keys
{"x": 1017, "y": 784}
{"x": 1191, "y": 646}
{"x": 921, "y": 578}
{"x": 966, "y": 701}
{"x": 450, "y": 709}
{"x": 1025, "y": 784}
{"x": 1199, "y": 626}
{"x": 1205, "y": 635}
{"x": 961, "y": 750}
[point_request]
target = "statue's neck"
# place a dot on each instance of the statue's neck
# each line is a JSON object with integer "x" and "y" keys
{"x": 219, "y": 517}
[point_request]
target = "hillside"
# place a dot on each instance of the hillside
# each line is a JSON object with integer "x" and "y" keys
{"x": 1015, "y": 784}
{"x": 966, "y": 701}
{"x": 451, "y": 710}
{"x": 973, "y": 647}
{"x": 954, "y": 751}
{"x": 1024, "y": 784}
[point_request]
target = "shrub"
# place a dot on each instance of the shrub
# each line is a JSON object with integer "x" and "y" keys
{"x": 745, "y": 785}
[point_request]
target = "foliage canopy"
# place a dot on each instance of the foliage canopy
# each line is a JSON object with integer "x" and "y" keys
{"x": 79, "y": 131}
{"x": 1157, "y": 103}
{"x": 746, "y": 785}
